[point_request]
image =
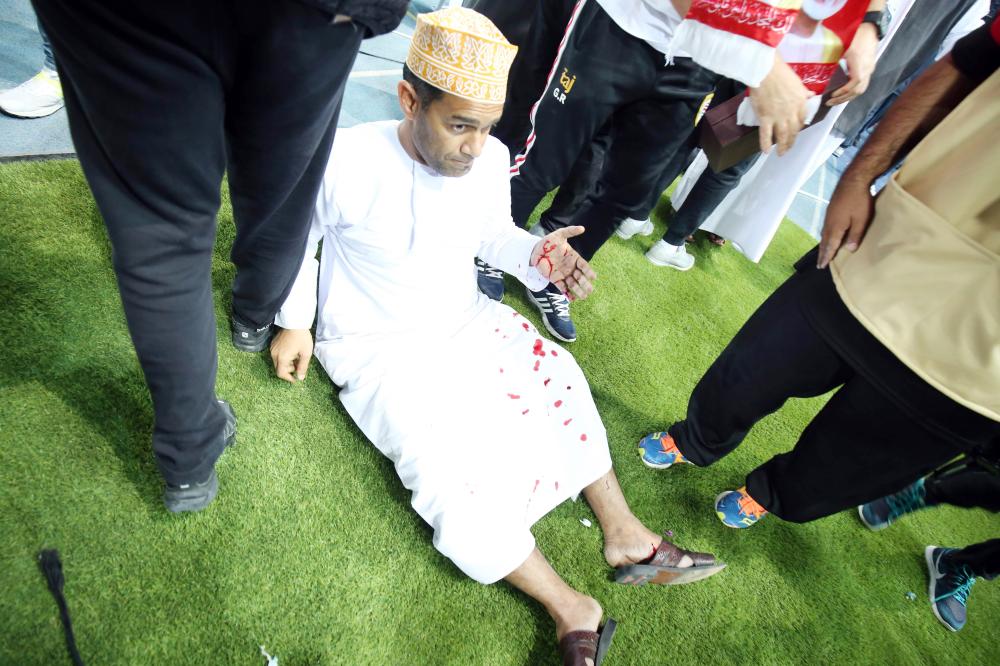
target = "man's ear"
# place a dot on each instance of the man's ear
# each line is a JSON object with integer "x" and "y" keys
{"x": 409, "y": 103}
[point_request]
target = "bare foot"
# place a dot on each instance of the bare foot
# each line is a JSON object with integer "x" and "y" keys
{"x": 580, "y": 613}
{"x": 630, "y": 544}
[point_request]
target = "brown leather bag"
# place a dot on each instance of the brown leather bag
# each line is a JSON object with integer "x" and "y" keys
{"x": 726, "y": 143}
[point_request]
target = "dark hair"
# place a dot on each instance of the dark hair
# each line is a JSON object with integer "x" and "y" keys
{"x": 426, "y": 93}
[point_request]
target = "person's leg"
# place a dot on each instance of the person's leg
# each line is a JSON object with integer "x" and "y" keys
{"x": 626, "y": 539}
{"x": 578, "y": 184}
{"x": 775, "y": 356}
{"x": 970, "y": 486}
{"x": 982, "y": 559}
{"x": 50, "y": 59}
{"x": 703, "y": 199}
{"x": 649, "y": 133}
{"x": 529, "y": 73}
{"x": 594, "y": 71}
{"x": 289, "y": 78}
{"x": 145, "y": 109}
{"x": 860, "y": 447}
{"x": 571, "y": 610}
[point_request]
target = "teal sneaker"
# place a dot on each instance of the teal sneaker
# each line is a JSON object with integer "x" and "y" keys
{"x": 659, "y": 451}
{"x": 737, "y": 509}
{"x": 949, "y": 587}
{"x": 881, "y": 513}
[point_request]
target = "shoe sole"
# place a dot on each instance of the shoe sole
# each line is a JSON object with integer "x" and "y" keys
{"x": 664, "y": 264}
{"x": 643, "y": 574}
{"x": 931, "y": 569}
{"x": 873, "y": 528}
{"x": 656, "y": 465}
{"x": 653, "y": 465}
{"x": 41, "y": 113}
{"x": 645, "y": 230}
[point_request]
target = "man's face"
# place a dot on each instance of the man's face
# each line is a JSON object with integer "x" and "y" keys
{"x": 450, "y": 133}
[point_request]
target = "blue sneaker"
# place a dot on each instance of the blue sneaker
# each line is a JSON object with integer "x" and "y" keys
{"x": 881, "y": 513}
{"x": 489, "y": 280}
{"x": 736, "y": 508}
{"x": 949, "y": 587}
{"x": 554, "y": 307}
{"x": 659, "y": 451}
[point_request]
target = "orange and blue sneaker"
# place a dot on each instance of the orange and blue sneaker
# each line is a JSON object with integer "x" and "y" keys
{"x": 659, "y": 451}
{"x": 736, "y": 508}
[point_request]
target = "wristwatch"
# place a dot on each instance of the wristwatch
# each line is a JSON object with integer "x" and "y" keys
{"x": 878, "y": 19}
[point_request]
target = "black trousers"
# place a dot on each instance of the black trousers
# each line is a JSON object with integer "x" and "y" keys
{"x": 602, "y": 73}
{"x": 162, "y": 98}
{"x": 969, "y": 486}
{"x": 534, "y": 60}
{"x": 862, "y": 445}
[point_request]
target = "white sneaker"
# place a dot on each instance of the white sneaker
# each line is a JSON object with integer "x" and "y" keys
{"x": 631, "y": 227}
{"x": 39, "y": 96}
{"x": 664, "y": 254}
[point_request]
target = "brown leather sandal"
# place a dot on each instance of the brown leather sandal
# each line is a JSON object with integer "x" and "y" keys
{"x": 661, "y": 567}
{"x": 578, "y": 646}
{"x": 715, "y": 239}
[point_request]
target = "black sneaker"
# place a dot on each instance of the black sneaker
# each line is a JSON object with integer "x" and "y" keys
{"x": 190, "y": 497}
{"x": 489, "y": 279}
{"x": 250, "y": 338}
{"x": 554, "y": 307}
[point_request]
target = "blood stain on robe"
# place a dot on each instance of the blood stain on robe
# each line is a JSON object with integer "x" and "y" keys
{"x": 537, "y": 349}
{"x": 557, "y": 485}
{"x": 501, "y": 370}
{"x": 525, "y": 412}
{"x": 568, "y": 387}
{"x": 547, "y": 380}
{"x": 513, "y": 396}
{"x": 583, "y": 438}
{"x": 558, "y": 403}
{"x": 554, "y": 353}
{"x": 535, "y": 489}
{"x": 536, "y": 365}
{"x": 525, "y": 325}
{"x": 567, "y": 422}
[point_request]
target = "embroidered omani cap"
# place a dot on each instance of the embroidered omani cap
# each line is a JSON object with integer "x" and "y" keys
{"x": 461, "y": 52}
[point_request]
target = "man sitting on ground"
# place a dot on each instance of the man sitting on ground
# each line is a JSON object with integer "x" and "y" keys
{"x": 489, "y": 425}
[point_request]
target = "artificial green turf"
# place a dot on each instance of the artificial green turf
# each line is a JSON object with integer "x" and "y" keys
{"x": 312, "y": 548}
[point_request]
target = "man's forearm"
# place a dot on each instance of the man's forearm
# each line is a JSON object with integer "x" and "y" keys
{"x": 911, "y": 117}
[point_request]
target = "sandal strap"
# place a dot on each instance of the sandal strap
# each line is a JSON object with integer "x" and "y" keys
{"x": 669, "y": 555}
{"x": 578, "y": 646}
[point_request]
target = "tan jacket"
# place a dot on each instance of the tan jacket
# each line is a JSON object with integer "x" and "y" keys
{"x": 926, "y": 279}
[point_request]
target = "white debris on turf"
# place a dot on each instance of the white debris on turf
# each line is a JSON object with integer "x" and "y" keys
{"x": 585, "y": 522}
{"x": 271, "y": 661}
{"x": 911, "y": 596}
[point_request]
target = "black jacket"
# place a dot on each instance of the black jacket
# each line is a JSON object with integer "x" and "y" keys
{"x": 377, "y": 17}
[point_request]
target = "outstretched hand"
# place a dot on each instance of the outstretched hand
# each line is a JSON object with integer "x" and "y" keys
{"x": 562, "y": 265}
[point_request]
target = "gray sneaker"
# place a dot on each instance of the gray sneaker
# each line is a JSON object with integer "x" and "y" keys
{"x": 191, "y": 497}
